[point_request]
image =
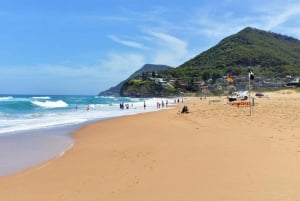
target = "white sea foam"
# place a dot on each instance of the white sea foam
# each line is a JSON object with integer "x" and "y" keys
{"x": 6, "y": 98}
{"x": 38, "y": 122}
{"x": 50, "y": 104}
{"x": 70, "y": 115}
{"x": 41, "y": 97}
{"x": 44, "y": 126}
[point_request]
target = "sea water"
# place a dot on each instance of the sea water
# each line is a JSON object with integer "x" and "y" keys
{"x": 34, "y": 129}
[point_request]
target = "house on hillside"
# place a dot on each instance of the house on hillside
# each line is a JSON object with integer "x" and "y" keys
{"x": 161, "y": 81}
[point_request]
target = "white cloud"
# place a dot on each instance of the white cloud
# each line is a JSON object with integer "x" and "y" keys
{"x": 169, "y": 49}
{"x": 279, "y": 15}
{"x": 121, "y": 64}
{"x": 127, "y": 42}
{"x": 161, "y": 48}
{"x": 209, "y": 26}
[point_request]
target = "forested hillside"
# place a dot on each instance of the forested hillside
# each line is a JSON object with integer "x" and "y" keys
{"x": 269, "y": 55}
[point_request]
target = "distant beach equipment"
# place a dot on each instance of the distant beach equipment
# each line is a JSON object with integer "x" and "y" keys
{"x": 241, "y": 103}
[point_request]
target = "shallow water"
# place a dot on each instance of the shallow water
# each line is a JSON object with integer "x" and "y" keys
{"x": 24, "y": 150}
{"x": 35, "y": 129}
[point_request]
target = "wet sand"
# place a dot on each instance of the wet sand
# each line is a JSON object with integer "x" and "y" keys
{"x": 215, "y": 152}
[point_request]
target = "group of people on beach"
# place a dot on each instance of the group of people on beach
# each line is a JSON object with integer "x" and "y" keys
{"x": 162, "y": 104}
{"x": 159, "y": 105}
{"x": 123, "y": 105}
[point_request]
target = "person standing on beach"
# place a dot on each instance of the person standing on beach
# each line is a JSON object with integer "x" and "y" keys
{"x": 144, "y": 105}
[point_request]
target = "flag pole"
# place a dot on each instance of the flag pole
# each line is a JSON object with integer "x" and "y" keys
{"x": 250, "y": 93}
{"x": 250, "y": 77}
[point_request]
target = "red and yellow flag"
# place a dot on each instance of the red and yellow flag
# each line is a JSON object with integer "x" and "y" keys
{"x": 229, "y": 79}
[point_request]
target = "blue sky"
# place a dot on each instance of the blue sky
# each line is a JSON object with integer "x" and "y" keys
{"x": 87, "y": 46}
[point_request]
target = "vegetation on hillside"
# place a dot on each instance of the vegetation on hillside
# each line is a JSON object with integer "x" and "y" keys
{"x": 269, "y": 55}
{"x": 119, "y": 88}
{"x": 145, "y": 88}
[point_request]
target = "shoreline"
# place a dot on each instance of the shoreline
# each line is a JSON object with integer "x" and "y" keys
{"x": 21, "y": 150}
{"x": 215, "y": 152}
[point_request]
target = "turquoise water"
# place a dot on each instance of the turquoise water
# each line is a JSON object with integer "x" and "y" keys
{"x": 34, "y": 129}
{"x": 28, "y": 112}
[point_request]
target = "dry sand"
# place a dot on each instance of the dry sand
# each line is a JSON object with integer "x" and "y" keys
{"x": 216, "y": 152}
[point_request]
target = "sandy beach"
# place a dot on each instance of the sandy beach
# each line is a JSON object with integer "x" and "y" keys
{"x": 216, "y": 152}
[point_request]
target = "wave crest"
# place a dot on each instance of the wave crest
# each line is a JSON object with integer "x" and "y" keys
{"x": 41, "y": 97}
{"x": 50, "y": 104}
{"x": 6, "y": 98}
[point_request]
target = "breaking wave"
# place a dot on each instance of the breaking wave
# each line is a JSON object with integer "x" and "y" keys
{"x": 50, "y": 104}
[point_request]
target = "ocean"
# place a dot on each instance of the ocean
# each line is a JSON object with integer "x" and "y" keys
{"x": 34, "y": 129}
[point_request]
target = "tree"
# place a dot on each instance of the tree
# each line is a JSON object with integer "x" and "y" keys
{"x": 206, "y": 75}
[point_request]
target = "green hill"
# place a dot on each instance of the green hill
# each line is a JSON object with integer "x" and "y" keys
{"x": 115, "y": 91}
{"x": 267, "y": 52}
{"x": 270, "y": 55}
